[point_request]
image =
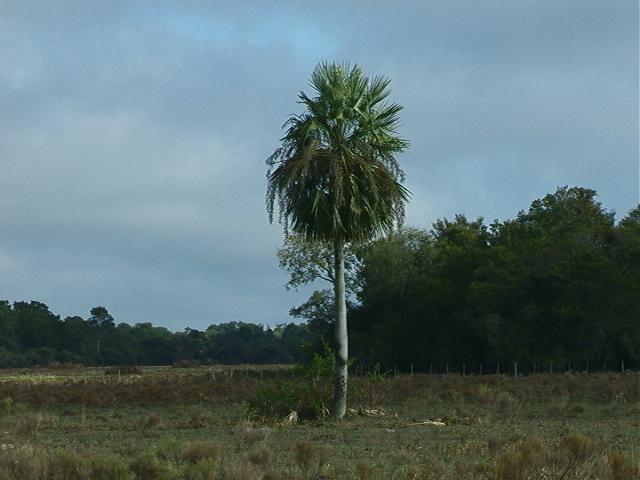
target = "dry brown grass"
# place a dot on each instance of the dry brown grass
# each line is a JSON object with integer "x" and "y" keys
{"x": 161, "y": 424}
{"x": 197, "y": 451}
{"x": 622, "y": 467}
{"x": 522, "y": 462}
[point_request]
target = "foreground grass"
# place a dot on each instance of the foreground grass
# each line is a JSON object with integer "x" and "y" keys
{"x": 194, "y": 424}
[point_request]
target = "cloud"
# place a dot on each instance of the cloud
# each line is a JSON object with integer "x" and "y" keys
{"x": 133, "y": 135}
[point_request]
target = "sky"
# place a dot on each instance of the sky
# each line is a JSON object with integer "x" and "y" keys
{"x": 133, "y": 135}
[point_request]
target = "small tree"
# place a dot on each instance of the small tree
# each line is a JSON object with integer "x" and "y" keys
{"x": 336, "y": 178}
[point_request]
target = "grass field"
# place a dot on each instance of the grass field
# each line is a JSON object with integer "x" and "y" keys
{"x": 197, "y": 424}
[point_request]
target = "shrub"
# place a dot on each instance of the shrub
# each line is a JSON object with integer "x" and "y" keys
{"x": 150, "y": 422}
{"x": 304, "y": 455}
{"x": 237, "y": 471}
{"x": 168, "y": 449}
{"x": 579, "y": 446}
{"x": 621, "y": 467}
{"x": 276, "y": 400}
{"x": 23, "y": 463}
{"x": 194, "y": 452}
{"x": 68, "y": 465}
{"x": 6, "y": 406}
{"x": 28, "y": 425}
{"x": 110, "y": 468}
{"x": 521, "y": 463}
{"x": 320, "y": 368}
{"x": 148, "y": 467}
{"x": 261, "y": 456}
{"x": 307, "y": 397}
{"x": 203, "y": 470}
{"x": 250, "y": 434}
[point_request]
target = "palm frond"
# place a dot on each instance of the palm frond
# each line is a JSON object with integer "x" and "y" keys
{"x": 336, "y": 174}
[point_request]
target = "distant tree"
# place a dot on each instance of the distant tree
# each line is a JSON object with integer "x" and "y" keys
{"x": 318, "y": 311}
{"x": 336, "y": 178}
{"x": 101, "y": 321}
{"x": 7, "y": 326}
{"x": 100, "y": 317}
{"x": 76, "y": 336}
{"x": 383, "y": 324}
{"x": 36, "y": 325}
{"x": 307, "y": 261}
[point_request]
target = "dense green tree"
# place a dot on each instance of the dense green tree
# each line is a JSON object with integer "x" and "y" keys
{"x": 307, "y": 260}
{"x": 559, "y": 283}
{"x": 7, "y": 325}
{"x": 36, "y": 326}
{"x": 336, "y": 178}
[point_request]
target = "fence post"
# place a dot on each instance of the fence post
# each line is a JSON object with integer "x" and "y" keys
{"x": 412, "y": 369}
{"x": 622, "y": 366}
{"x": 447, "y": 369}
{"x": 464, "y": 369}
{"x": 515, "y": 369}
{"x": 480, "y": 369}
{"x": 430, "y": 368}
{"x": 498, "y": 368}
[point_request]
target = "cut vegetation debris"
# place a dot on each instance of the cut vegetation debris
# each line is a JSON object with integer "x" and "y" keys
{"x": 434, "y": 423}
{"x": 368, "y": 412}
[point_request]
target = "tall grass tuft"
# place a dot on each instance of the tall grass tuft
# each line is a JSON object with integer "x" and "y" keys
{"x": 621, "y": 467}
{"x": 197, "y": 451}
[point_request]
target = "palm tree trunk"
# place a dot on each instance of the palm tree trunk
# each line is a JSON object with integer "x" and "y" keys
{"x": 342, "y": 343}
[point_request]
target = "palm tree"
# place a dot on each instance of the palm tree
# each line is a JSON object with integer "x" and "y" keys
{"x": 335, "y": 176}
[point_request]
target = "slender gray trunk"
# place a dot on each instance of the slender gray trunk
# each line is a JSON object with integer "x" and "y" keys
{"x": 342, "y": 343}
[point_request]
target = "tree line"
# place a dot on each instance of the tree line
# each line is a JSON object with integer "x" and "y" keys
{"x": 30, "y": 334}
{"x": 557, "y": 286}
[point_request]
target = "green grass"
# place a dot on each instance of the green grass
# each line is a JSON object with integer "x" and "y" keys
{"x": 195, "y": 424}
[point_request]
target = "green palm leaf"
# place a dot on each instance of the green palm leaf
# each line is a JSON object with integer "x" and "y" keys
{"x": 336, "y": 175}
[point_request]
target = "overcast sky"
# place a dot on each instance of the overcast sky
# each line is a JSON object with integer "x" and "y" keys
{"x": 133, "y": 134}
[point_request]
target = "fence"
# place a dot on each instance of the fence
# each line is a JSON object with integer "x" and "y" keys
{"x": 498, "y": 368}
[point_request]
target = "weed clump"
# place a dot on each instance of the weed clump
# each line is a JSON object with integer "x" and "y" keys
{"x": 28, "y": 425}
{"x": 197, "y": 451}
{"x": 202, "y": 470}
{"x": 261, "y": 456}
{"x": 250, "y": 434}
{"x": 578, "y": 446}
{"x": 23, "y": 463}
{"x": 304, "y": 455}
{"x": 148, "y": 467}
{"x": 68, "y": 465}
{"x": 521, "y": 463}
{"x": 621, "y": 467}
{"x": 150, "y": 422}
{"x": 110, "y": 468}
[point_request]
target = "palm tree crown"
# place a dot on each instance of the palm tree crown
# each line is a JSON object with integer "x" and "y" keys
{"x": 335, "y": 175}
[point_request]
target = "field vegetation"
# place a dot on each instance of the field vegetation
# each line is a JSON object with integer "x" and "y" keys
{"x": 239, "y": 423}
